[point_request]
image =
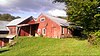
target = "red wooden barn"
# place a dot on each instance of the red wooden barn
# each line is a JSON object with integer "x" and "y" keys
{"x": 54, "y": 27}
{"x": 45, "y": 25}
{"x": 22, "y": 27}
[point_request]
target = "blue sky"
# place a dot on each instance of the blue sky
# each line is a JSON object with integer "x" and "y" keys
{"x": 25, "y": 8}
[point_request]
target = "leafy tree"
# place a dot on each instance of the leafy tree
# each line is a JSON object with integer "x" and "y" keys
{"x": 83, "y": 13}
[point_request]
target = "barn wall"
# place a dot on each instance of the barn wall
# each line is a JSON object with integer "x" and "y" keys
{"x": 67, "y": 32}
{"x": 12, "y": 30}
{"x": 28, "y": 30}
{"x": 24, "y": 31}
{"x": 52, "y": 29}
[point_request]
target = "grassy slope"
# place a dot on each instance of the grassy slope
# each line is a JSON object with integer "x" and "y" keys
{"x": 47, "y": 46}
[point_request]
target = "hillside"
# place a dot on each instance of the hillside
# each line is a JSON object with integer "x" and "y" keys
{"x": 48, "y": 46}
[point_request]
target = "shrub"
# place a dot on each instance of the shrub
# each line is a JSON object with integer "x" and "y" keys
{"x": 97, "y": 34}
{"x": 97, "y": 38}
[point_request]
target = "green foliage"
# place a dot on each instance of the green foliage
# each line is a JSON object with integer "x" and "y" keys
{"x": 7, "y": 17}
{"x": 95, "y": 40}
{"x": 83, "y": 13}
{"x": 97, "y": 34}
{"x": 38, "y": 46}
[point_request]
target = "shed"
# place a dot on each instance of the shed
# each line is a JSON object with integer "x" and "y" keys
{"x": 22, "y": 26}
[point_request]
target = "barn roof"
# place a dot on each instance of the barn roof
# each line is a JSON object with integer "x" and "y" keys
{"x": 3, "y": 25}
{"x": 59, "y": 21}
{"x": 16, "y": 21}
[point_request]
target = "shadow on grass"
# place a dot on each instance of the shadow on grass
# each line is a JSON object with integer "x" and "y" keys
{"x": 83, "y": 37}
{"x": 2, "y": 51}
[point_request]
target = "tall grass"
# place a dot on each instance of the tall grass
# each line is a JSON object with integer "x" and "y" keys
{"x": 27, "y": 46}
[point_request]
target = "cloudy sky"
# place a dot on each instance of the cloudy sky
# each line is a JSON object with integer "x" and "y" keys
{"x": 26, "y": 8}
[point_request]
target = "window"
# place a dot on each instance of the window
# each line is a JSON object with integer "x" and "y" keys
{"x": 68, "y": 31}
{"x": 43, "y": 31}
{"x": 39, "y": 30}
{"x": 42, "y": 19}
{"x": 62, "y": 30}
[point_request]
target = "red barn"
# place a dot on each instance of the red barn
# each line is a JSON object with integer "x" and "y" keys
{"x": 22, "y": 27}
{"x": 45, "y": 25}
{"x": 54, "y": 27}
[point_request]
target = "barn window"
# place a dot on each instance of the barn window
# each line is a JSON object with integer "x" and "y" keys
{"x": 68, "y": 31}
{"x": 39, "y": 30}
{"x": 42, "y": 19}
{"x": 43, "y": 31}
{"x": 62, "y": 30}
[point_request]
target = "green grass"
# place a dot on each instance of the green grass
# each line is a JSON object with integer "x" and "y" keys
{"x": 48, "y": 46}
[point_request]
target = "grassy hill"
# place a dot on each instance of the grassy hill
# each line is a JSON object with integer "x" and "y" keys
{"x": 48, "y": 46}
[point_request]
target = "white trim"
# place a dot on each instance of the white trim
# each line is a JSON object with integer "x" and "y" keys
{"x": 62, "y": 30}
{"x": 16, "y": 30}
{"x": 68, "y": 31}
{"x": 43, "y": 31}
{"x": 42, "y": 19}
{"x": 39, "y": 30}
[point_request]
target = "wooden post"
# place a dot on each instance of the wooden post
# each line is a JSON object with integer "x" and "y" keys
{"x": 30, "y": 31}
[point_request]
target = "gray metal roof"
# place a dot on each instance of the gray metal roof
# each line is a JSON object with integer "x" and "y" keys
{"x": 59, "y": 21}
{"x": 16, "y": 21}
{"x": 3, "y": 25}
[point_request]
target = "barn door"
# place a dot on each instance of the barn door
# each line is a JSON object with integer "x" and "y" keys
{"x": 54, "y": 32}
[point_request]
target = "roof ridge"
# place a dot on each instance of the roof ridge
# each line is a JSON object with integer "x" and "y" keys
{"x": 59, "y": 21}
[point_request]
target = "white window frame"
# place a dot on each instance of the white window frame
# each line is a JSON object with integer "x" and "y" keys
{"x": 44, "y": 31}
{"x": 68, "y": 31}
{"x": 42, "y": 19}
{"x": 63, "y": 30}
{"x": 39, "y": 30}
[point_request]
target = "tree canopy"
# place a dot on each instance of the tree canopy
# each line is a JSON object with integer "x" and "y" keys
{"x": 7, "y": 17}
{"x": 84, "y": 13}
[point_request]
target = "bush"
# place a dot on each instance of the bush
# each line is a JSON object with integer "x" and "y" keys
{"x": 97, "y": 38}
{"x": 97, "y": 34}
{"x": 96, "y": 41}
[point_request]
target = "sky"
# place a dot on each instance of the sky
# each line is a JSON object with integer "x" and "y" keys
{"x": 24, "y": 8}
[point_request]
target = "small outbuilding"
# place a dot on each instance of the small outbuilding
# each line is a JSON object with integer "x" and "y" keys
{"x": 22, "y": 27}
{"x": 3, "y": 33}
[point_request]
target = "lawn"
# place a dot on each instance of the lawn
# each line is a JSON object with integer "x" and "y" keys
{"x": 27, "y": 46}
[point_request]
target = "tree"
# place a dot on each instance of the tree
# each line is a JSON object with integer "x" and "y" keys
{"x": 83, "y": 13}
{"x": 7, "y": 17}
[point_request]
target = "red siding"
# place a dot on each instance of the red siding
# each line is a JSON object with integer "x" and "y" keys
{"x": 52, "y": 28}
{"x": 23, "y": 30}
{"x": 12, "y": 30}
{"x": 67, "y": 32}
{"x": 3, "y": 41}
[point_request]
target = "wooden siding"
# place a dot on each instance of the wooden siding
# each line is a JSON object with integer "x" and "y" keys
{"x": 3, "y": 41}
{"x": 12, "y": 30}
{"x": 53, "y": 29}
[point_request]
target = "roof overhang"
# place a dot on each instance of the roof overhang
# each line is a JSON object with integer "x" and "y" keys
{"x": 21, "y": 25}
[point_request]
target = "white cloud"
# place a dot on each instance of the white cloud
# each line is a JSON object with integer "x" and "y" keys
{"x": 57, "y": 12}
{"x": 21, "y": 7}
{"x": 3, "y": 2}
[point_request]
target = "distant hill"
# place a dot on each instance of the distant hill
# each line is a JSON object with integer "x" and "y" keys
{"x": 8, "y": 17}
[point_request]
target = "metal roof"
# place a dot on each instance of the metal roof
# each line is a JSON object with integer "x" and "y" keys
{"x": 16, "y": 21}
{"x": 3, "y": 25}
{"x": 59, "y": 21}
